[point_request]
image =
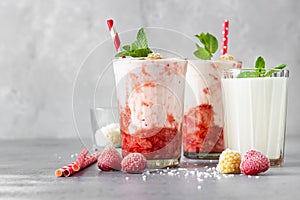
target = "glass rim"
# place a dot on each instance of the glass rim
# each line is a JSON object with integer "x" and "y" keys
{"x": 214, "y": 61}
{"x": 144, "y": 59}
{"x": 253, "y": 69}
{"x": 254, "y": 73}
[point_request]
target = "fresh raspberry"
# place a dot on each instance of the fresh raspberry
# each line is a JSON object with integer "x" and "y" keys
{"x": 229, "y": 162}
{"x": 254, "y": 162}
{"x": 134, "y": 163}
{"x": 109, "y": 159}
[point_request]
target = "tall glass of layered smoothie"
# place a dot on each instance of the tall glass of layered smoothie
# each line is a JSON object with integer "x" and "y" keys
{"x": 255, "y": 111}
{"x": 203, "y": 118}
{"x": 151, "y": 94}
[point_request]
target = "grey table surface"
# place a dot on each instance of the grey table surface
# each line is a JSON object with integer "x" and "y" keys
{"x": 27, "y": 172}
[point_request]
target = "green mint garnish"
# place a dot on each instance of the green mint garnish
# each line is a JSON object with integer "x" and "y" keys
{"x": 248, "y": 75}
{"x": 276, "y": 69}
{"x": 260, "y": 70}
{"x": 260, "y": 65}
{"x": 210, "y": 44}
{"x": 137, "y": 49}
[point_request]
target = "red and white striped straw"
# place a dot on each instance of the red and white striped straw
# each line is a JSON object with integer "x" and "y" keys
{"x": 225, "y": 36}
{"x": 87, "y": 162}
{"x": 80, "y": 159}
{"x": 61, "y": 171}
{"x": 74, "y": 167}
{"x": 91, "y": 159}
{"x": 114, "y": 34}
{"x": 69, "y": 172}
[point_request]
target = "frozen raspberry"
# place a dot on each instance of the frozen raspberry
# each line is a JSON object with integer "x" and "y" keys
{"x": 134, "y": 163}
{"x": 109, "y": 159}
{"x": 254, "y": 162}
{"x": 229, "y": 162}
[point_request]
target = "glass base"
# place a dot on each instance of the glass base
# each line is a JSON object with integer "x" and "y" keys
{"x": 276, "y": 162}
{"x": 98, "y": 148}
{"x": 204, "y": 156}
{"x": 162, "y": 163}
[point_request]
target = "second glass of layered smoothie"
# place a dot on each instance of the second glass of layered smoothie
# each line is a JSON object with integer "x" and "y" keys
{"x": 150, "y": 96}
{"x": 203, "y": 119}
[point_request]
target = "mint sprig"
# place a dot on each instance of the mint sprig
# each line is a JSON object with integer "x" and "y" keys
{"x": 260, "y": 70}
{"x": 138, "y": 48}
{"x": 210, "y": 44}
{"x": 276, "y": 69}
{"x": 260, "y": 65}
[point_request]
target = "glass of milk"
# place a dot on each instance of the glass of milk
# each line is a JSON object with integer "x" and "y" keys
{"x": 255, "y": 112}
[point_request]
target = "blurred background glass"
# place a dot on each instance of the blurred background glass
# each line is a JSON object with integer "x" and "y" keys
{"x": 103, "y": 117}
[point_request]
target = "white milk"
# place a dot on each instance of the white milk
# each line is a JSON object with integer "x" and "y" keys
{"x": 255, "y": 114}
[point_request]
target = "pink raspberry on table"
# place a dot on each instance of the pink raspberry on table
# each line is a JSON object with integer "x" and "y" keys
{"x": 134, "y": 163}
{"x": 109, "y": 159}
{"x": 254, "y": 162}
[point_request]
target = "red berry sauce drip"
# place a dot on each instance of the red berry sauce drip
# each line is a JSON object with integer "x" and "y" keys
{"x": 200, "y": 135}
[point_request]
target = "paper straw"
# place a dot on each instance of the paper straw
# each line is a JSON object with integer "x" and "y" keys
{"x": 87, "y": 162}
{"x": 74, "y": 167}
{"x": 225, "y": 36}
{"x": 91, "y": 159}
{"x": 80, "y": 160}
{"x": 114, "y": 34}
{"x": 68, "y": 172}
{"x": 61, "y": 171}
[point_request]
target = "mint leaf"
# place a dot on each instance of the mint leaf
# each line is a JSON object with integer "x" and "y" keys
{"x": 127, "y": 47}
{"x": 140, "y": 52}
{"x": 248, "y": 75}
{"x": 141, "y": 39}
{"x": 122, "y": 53}
{"x": 202, "y": 53}
{"x": 210, "y": 44}
{"x": 202, "y": 38}
{"x": 276, "y": 69}
{"x": 260, "y": 62}
{"x": 260, "y": 65}
{"x": 280, "y": 66}
{"x": 135, "y": 53}
{"x": 139, "y": 48}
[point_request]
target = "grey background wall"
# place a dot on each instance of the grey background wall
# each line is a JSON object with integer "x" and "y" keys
{"x": 43, "y": 43}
